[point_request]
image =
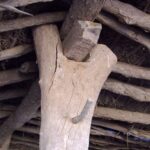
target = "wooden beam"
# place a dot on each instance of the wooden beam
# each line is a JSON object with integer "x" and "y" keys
{"x": 133, "y": 71}
{"x": 81, "y": 10}
{"x": 15, "y": 52}
{"x": 138, "y": 93}
{"x": 25, "y": 22}
{"x": 82, "y": 38}
{"x": 122, "y": 115}
{"x": 128, "y": 13}
{"x": 61, "y": 103}
{"x": 130, "y": 32}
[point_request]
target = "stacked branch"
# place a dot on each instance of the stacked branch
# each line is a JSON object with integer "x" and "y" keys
{"x": 128, "y": 13}
{"x": 19, "y": 3}
{"x": 129, "y": 70}
{"x": 25, "y": 112}
{"x": 15, "y": 52}
{"x": 53, "y": 89}
{"x": 25, "y": 22}
{"x": 13, "y": 76}
{"x": 130, "y": 32}
{"x": 136, "y": 92}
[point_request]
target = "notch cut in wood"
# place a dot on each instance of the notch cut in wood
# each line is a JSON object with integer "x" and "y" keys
{"x": 81, "y": 39}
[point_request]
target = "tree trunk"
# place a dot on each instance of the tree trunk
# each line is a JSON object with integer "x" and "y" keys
{"x": 68, "y": 102}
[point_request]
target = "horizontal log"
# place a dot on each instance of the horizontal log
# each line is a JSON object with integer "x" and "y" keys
{"x": 27, "y": 144}
{"x": 19, "y": 3}
{"x": 31, "y": 130}
{"x": 115, "y": 136}
{"x": 25, "y": 22}
{"x": 35, "y": 122}
{"x": 6, "y": 110}
{"x": 124, "y": 129}
{"x": 4, "y": 114}
{"x": 25, "y": 139}
{"x": 122, "y": 115}
{"x": 128, "y": 31}
{"x": 11, "y": 93}
{"x": 103, "y": 132}
{"x": 128, "y": 13}
{"x": 133, "y": 71}
{"x": 29, "y": 67}
{"x": 13, "y": 76}
{"x": 15, "y": 52}
{"x": 138, "y": 93}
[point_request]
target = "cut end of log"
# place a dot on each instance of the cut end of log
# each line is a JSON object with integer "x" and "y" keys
{"x": 81, "y": 39}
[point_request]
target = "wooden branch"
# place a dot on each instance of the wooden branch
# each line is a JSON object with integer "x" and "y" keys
{"x": 23, "y": 113}
{"x": 25, "y": 139}
{"x": 130, "y": 32}
{"x": 19, "y": 3}
{"x": 128, "y": 13}
{"x": 103, "y": 132}
{"x": 133, "y": 71}
{"x": 31, "y": 130}
{"x": 25, "y": 22}
{"x": 81, "y": 40}
{"x": 125, "y": 130}
{"x": 81, "y": 10}
{"x": 35, "y": 122}
{"x": 4, "y": 114}
{"x": 11, "y": 93}
{"x": 13, "y": 76}
{"x": 15, "y": 52}
{"x": 27, "y": 144}
{"x": 122, "y": 115}
{"x": 138, "y": 93}
{"x": 62, "y": 102}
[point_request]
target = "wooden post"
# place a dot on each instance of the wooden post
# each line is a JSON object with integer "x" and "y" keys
{"x": 68, "y": 102}
{"x": 81, "y": 10}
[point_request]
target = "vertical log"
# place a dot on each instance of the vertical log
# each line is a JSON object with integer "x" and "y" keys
{"x": 70, "y": 92}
